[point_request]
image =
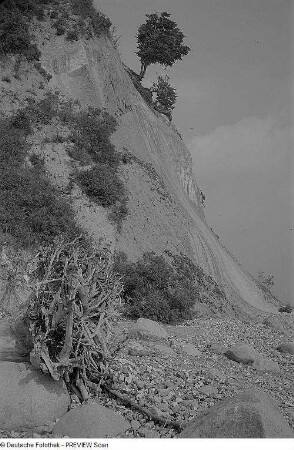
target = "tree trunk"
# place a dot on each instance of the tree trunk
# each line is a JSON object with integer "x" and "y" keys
{"x": 143, "y": 71}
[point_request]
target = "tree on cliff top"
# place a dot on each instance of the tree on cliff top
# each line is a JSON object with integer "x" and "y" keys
{"x": 160, "y": 41}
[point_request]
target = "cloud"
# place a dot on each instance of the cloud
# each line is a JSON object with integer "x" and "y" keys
{"x": 244, "y": 170}
{"x": 252, "y": 144}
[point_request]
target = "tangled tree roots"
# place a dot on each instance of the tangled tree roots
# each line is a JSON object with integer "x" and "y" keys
{"x": 75, "y": 295}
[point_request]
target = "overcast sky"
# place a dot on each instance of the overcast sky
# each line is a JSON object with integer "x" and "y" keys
{"x": 234, "y": 112}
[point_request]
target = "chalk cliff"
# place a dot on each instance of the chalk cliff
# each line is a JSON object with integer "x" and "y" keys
{"x": 165, "y": 209}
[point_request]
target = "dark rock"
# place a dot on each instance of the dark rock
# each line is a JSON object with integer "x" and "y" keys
{"x": 250, "y": 414}
{"x": 286, "y": 308}
{"x": 29, "y": 398}
{"x": 90, "y": 421}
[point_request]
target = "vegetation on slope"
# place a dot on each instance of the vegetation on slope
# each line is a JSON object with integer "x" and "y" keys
{"x": 165, "y": 95}
{"x": 91, "y": 133}
{"x": 165, "y": 288}
{"x": 90, "y": 144}
{"x": 71, "y": 18}
{"x": 31, "y": 211}
{"x": 75, "y": 19}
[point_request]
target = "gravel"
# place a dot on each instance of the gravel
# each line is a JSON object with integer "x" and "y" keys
{"x": 179, "y": 388}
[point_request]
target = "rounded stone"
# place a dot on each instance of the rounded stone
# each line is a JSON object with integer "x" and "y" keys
{"x": 265, "y": 364}
{"x": 250, "y": 414}
{"x": 29, "y": 398}
{"x": 190, "y": 349}
{"x": 242, "y": 352}
{"x": 91, "y": 421}
{"x": 135, "y": 425}
{"x": 286, "y": 347}
{"x": 151, "y": 328}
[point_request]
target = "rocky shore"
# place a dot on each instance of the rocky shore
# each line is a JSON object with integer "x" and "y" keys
{"x": 178, "y": 373}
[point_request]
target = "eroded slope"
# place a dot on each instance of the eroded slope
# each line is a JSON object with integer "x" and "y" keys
{"x": 165, "y": 202}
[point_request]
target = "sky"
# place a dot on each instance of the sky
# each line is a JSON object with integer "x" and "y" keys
{"x": 234, "y": 111}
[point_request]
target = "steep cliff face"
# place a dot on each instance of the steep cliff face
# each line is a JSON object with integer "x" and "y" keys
{"x": 165, "y": 209}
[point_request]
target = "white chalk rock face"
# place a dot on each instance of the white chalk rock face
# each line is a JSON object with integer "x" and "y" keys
{"x": 28, "y": 397}
{"x": 165, "y": 204}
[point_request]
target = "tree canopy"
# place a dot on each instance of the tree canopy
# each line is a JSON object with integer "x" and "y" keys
{"x": 160, "y": 41}
{"x": 165, "y": 94}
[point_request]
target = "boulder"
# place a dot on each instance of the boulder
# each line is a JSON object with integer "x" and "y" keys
{"x": 243, "y": 353}
{"x": 150, "y": 328}
{"x": 28, "y": 397}
{"x": 91, "y": 421}
{"x": 265, "y": 364}
{"x": 274, "y": 323}
{"x": 20, "y": 329}
{"x": 8, "y": 349}
{"x": 190, "y": 349}
{"x": 249, "y": 414}
{"x": 286, "y": 347}
{"x": 136, "y": 349}
{"x": 7, "y": 340}
{"x": 164, "y": 350}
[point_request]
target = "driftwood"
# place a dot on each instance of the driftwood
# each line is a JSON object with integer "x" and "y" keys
{"x": 72, "y": 305}
{"x": 144, "y": 410}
